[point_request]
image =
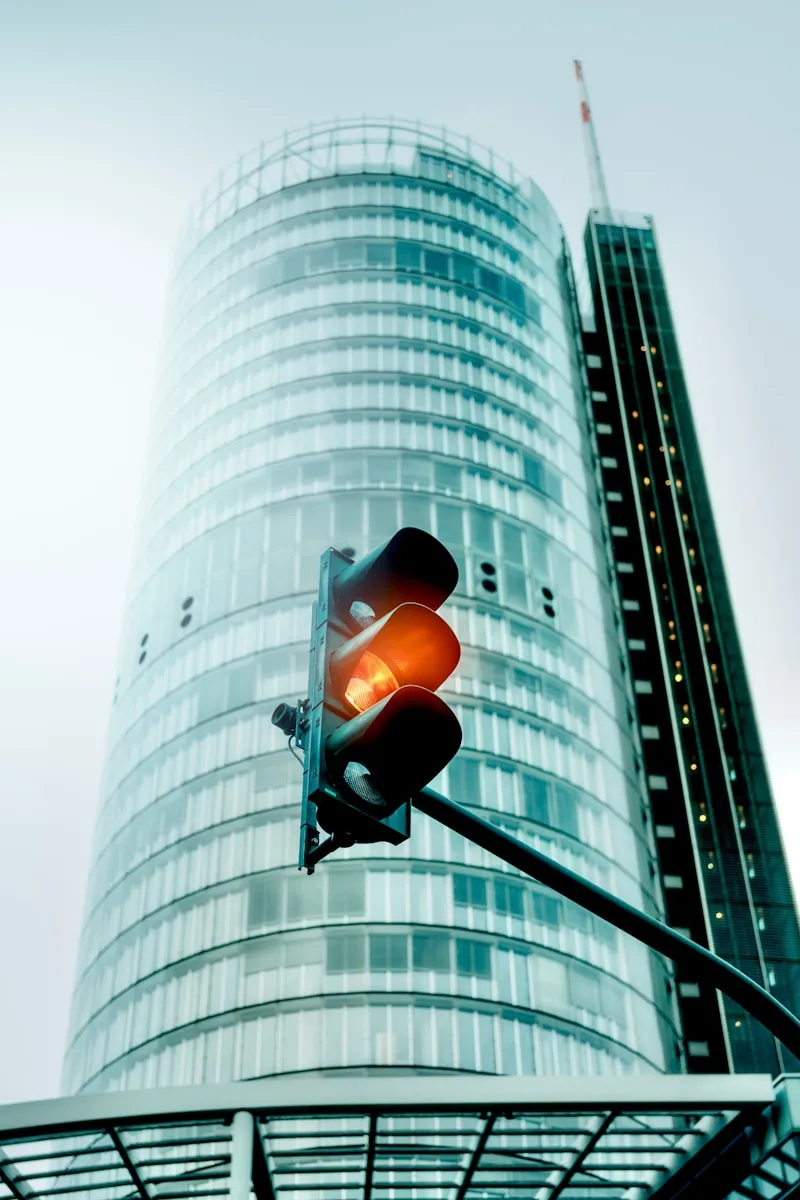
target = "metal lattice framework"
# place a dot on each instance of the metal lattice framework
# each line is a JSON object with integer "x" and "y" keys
{"x": 411, "y": 1138}
{"x": 375, "y": 144}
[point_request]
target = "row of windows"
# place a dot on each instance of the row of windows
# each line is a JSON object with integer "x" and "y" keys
{"x": 515, "y": 389}
{"x": 536, "y": 645}
{"x": 528, "y": 643}
{"x": 352, "y": 960}
{"x": 278, "y": 901}
{"x": 262, "y": 542}
{"x": 272, "y": 783}
{"x": 287, "y": 313}
{"x": 360, "y": 325}
{"x": 271, "y": 842}
{"x": 538, "y": 648}
{"x": 270, "y": 417}
{"x": 245, "y": 733}
{"x": 243, "y": 305}
{"x": 354, "y": 1035}
{"x": 341, "y": 477}
{"x": 367, "y": 360}
{"x": 238, "y": 737}
{"x": 347, "y": 192}
{"x": 271, "y": 676}
{"x": 355, "y": 432}
{"x": 352, "y": 226}
{"x": 536, "y": 420}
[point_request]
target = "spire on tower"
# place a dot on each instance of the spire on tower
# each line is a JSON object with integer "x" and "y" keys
{"x": 597, "y": 178}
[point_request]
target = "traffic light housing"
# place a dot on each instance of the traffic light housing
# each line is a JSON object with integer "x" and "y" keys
{"x": 373, "y": 729}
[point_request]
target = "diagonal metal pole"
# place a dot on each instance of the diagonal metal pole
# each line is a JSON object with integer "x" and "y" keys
{"x": 715, "y": 971}
{"x": 130, "y": 1166}
{"x": 369, "y": 1172}
{"x": 477, "y": 1154}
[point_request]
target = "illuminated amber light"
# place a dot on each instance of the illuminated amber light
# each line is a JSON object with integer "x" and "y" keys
{"x": 635, "y": 413}
{"x": 703, "y": 817}
{"x": 647, "y": 481}
{"x": 685, "y": 720}
{"x": 679, "y": 678}
{"x": 693, "y": 767}
{"x": 370, "y": 682}
{"x": 659, "y": 384}
{"x": 718, "y": 915}
{"x": 640, "y": 446}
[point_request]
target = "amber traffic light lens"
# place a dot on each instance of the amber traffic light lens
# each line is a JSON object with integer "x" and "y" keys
{"x": 370, "y": 682}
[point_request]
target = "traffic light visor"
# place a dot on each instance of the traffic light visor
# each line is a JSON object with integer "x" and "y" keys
{"x": 411, "y": 645}
{"x": 411, "y": 566}
{"x": 400, "y": 744}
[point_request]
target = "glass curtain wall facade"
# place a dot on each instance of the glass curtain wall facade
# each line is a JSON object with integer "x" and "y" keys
{"x": 721, "y": 859}
{"x": 370, "y": 326}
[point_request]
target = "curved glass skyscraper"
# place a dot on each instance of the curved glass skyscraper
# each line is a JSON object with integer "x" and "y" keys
{"x": 370, "y": 326}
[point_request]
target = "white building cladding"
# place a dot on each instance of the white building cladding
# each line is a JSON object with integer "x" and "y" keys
{"x": 370, "y": 327}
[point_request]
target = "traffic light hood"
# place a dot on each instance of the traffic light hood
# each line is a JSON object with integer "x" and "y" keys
{"x": 411, "y": 566}
{"x": 403, "y": 743}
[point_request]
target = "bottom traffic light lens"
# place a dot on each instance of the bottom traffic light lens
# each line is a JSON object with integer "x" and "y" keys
{"x": 370, "y": 682}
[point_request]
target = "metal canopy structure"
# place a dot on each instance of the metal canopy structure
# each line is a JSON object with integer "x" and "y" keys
{"x": 412, "y": 1138}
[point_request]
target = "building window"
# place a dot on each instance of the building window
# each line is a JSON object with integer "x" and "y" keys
{"x": 509, "y": 898}
{"x": 469, "y": 890}
{"x": 346, "y": 893}
{"x": 473, "y": 958}
{"x": 344, "y": 952}
{"x": 388, "y": 952}
{"x": 431, "y": 952}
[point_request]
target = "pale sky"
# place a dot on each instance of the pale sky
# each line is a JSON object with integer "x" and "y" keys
{"x": 113, "y": 116}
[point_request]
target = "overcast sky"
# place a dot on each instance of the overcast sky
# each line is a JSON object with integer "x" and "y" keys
{"x": 114, "y": 116}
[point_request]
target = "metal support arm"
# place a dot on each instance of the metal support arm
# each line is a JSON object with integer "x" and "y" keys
{"x": 781, "y": 1023}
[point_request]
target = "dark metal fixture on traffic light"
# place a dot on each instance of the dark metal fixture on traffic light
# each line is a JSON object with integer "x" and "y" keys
{"x": 373, "y": 729}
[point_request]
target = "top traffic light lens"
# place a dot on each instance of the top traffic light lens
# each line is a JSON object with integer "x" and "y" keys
{"x": 371, "y": 681}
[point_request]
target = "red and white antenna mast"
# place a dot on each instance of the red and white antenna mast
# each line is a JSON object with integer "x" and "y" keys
{"x": 597, "y": 178}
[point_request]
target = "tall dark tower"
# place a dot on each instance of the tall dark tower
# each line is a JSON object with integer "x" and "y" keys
{"x": 723, "y": 868}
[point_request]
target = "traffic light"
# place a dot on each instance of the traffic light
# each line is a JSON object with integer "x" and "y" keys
{"x": 373, "y": 729}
